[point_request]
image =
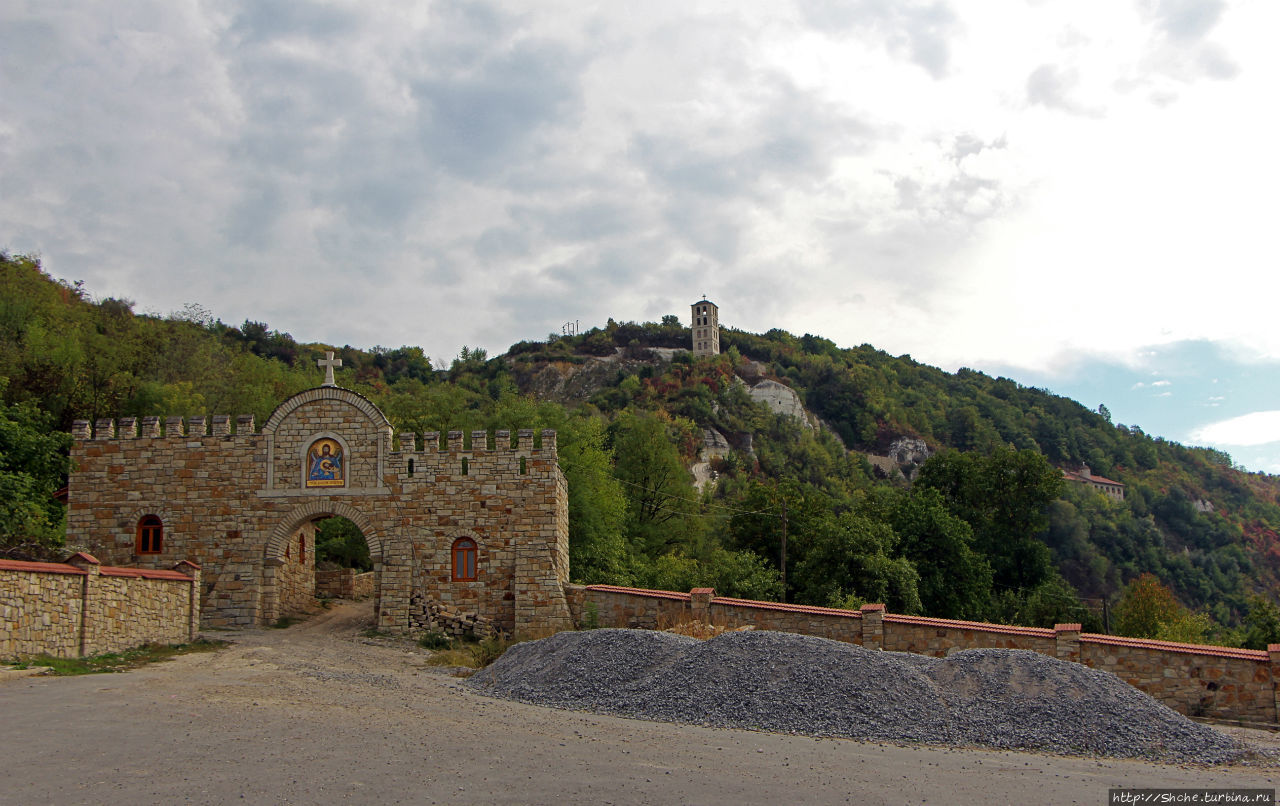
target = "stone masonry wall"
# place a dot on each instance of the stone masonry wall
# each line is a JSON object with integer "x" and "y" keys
{"x": 1219, "y": 682}
{"x": 1196, "y": 680}
{"x": 84, "y": 608}
{"x": 40, "y": 610}
{"x": 941, "y": 637}
{"x": 297, "y": 576}
{"x": 233, "y": 501}
{"x": 345, "y": 583}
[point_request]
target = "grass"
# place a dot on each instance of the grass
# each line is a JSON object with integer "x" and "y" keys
{"x": 471, "y": 655}
{"x": 117, "y": 661}
{"x": 686, "y": 625}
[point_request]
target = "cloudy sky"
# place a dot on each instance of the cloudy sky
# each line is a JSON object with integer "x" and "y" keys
{"x": 1073, "y": 194}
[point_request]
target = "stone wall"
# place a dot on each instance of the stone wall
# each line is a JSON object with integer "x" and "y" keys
{"x": 296, "y": 576}
{"x": 40, "y": 609}
{"x": 82, "y": 607}
{"x": 345, "y": 583}
{"x": 236, "y": 500}
{"x": 1209, "y": 681}
{"x": 1218, "y": 682}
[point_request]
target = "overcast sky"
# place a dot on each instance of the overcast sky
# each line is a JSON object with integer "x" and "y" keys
{"x": 1078, "y": 195}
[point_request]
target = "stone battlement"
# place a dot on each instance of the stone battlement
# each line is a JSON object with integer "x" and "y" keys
{"x": 495, "y": 455}
{"x": 432, "y": 443}
{"x": 218, "y": 425}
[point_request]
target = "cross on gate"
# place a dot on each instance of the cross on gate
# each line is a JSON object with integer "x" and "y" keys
{"x": 327, "y": 364}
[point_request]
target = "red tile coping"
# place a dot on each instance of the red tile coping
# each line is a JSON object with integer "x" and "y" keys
{"x": 652, "y": 594}
{"x": 979, "y": 626}
{"x": 1170, "y": 646}
{"x": 787, "y": 608}
{"x": 143, "y": 573}
{"x": 105, "y": 570}
{"x": 40, "y": 568}
{"x": 702, "y": 591}
{"x": 921, "y": 621}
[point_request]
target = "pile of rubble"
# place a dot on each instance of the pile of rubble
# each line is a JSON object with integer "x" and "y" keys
{"x": 432, "y": 616}
{"x": 775, "y": 681}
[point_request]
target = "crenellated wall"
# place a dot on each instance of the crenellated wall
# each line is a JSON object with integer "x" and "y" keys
{"x": 1208, "y": 681}
{"x": 236, "y": 500}
{"x": 82, "y": 607}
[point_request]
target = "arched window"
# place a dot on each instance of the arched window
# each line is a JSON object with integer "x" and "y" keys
{"x": 150, "y": 535}
{"x": 464, "y": 560}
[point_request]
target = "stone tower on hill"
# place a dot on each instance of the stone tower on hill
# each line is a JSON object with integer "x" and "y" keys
{"x": 706, "y": 328}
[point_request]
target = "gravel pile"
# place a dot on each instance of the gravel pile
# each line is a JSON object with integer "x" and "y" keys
{"x": 789, "y": 683}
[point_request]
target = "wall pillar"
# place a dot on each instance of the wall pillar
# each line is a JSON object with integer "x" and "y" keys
{"x": 1066, "y": 642}
{"x": 193, "y": 605}
{"x": 1273, "y": 652}
{"x": 700, "y": 603}
{"x": 88, "y": 606}
{"x": 872, "y": 626}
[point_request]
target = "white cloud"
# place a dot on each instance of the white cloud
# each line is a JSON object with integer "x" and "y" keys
{"x": 1256, "y": 428}
{"x": 904, "y": 174}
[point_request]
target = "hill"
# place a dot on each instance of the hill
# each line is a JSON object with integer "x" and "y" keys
{"x": 789, "y": 434}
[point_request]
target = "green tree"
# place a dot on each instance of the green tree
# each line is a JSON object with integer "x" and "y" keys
{"x": 340, "y": 541}
{"x": 1004, "y": 496}
{"x": 1148, "y": 609}
{"x": 33, "y": 466}
{"x": 853, "y": 555}
{"x": 955, "y": 581}
{"x": 662, "y": 505}
{"x": 1262, "y": 623}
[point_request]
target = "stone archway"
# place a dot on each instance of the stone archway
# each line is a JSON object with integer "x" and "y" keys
{"x": 281, "y": 555}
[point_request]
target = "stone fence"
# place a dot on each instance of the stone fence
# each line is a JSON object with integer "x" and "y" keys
{"x": 1197, "y": 680}
{"x": 345, "y": 583}
{"x": 82, "y": 607}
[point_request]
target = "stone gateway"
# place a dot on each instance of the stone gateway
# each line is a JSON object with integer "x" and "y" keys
{"x": 476, "y": 529}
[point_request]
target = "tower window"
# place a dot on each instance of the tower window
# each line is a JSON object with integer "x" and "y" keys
{"x": 150, "y": 535}
{"x": 464, "y": 560}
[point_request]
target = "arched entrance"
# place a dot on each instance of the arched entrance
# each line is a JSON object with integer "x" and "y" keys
{"x": 289, "y": 558}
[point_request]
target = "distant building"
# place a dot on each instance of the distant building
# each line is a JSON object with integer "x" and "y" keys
{"x": 1112, "y": 489}
{"x": 706, "y": 328}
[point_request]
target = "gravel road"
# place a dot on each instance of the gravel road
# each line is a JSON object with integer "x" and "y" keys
{"x": 317, "y": 714}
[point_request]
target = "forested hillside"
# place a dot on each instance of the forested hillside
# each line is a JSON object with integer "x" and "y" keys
{"x": 987, "y": 530}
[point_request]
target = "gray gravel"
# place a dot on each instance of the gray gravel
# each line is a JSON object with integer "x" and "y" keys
{"x": 787, "y": 683}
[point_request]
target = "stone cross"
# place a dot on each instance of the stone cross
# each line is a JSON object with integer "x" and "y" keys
{"x": 328, "y": 363}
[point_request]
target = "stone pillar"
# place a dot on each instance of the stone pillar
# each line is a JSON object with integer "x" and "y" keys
{"x": 1273, "y": 652}
{"x": 244, "y": 425}
{"x": 88, "y": 606}
{"x": 196, "y": 427}
{"x": 1066, "y": 642}
{"x": 150, "y": 427}
{"x": 193, "y": 607}
{"x": 872, "y": 626}
{"x": 220, "y": 425}
{"x": 700, "y": 603}
{"x": 128, "y": 428}
{"x": 173, "y": 427}
{"x": 80, "y": 430}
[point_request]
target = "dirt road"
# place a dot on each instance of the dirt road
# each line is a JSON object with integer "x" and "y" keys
{"x": 318, "y": 714}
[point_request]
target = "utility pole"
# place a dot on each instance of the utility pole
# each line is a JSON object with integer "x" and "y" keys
{"x": 1106, "y": 615}
{"x": 784, "y": 550}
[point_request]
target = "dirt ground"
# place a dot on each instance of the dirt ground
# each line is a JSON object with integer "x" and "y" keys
{"x": 316, "y": 713}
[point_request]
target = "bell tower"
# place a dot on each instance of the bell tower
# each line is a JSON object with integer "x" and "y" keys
{"x": 706, "y": 328}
